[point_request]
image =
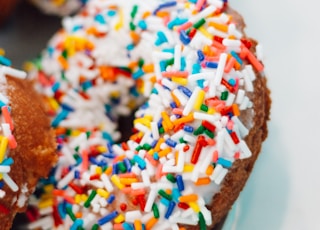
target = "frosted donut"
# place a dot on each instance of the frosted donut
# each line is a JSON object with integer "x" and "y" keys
{"x": 26, "y": 139}
{"x": 196, "y": 135}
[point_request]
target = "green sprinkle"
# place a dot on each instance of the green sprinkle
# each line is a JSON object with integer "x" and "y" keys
{"x": 170, "y": 61}
{"x": 204, "y": 108}
{"x": 64, "y": 54}
{"x": 224, "y": 95}
{"x": 199, "y": 23}
{"x": 90, "y": 198}
{"x": 122, "y": 167}
{"x": 161, "y": 130}
{"x": 134, "y": 11}
{"x": 171, "y": 178}
{"x": 68, "y": 132}
{"x": 155, "y": 211}
{"x": 141, "y": 62}
{"x": 162, "y": 193}
{"x": 146, "y": 146}
{"x": 202, "y": 221}
{"x": 199, "y": 130}
{"x": 139, "y": 147}
{"x": 132, "y": 26}
{"x": 95, "y": 227}
{"x": 63, "y": 76}
{"x": 209, "y": 133}
{"x": 88, "y": 134}
{"x": 181, "y": 140}
{"x": 70, "y": 213}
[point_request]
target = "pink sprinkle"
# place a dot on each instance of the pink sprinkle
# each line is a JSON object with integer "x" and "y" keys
{"x": 7, "y": 116}
{"x": 12, "y": 142}
{"x": 184, "y": 26}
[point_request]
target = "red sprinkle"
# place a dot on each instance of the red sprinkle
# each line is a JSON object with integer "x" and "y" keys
{"x": 234, "y": 137}
{"x": 182, "y": 205}
{"x": 201, "y": 142}
{"x": 4, "y": 209}
{"x": 123, "y": 207}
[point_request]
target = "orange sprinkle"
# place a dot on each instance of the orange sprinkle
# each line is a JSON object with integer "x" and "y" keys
{"x": 107, "y": 73}
{"x": 148, "y": 68}
{"x": 157, "y": 147}
{"x": 128, "y": 181}
{"x": 108, "y": 171}
{"x": 128, "y": 175}
{"x": 137, "y": 192}
{"x": 218, "y": 26}
{"x": 146, "y": 14}
{"x": 85, "y": 160}
{"x": 135, "y": 37}
{"x": 185, "y": 119}
{"x": 151, "y": 222}
{"x": 215, "y": 156}
{"x": 118, "y": 226}
{"x": 235, "y": 110}
{"x": 188, "y": 198}
{"x": 203, "y": 181}
{"x": 126, "y": 190}
{"x": 162, "y": 14}
{"x": 209, "y": 170}
{"x": 151, "y": 160}
{"x": 164, "y": 152}
{"x": 63, "y": 62}
{"x": 166, "y": 120}
{"x": 78, "y": 215}
{"x": 137, "y": 225}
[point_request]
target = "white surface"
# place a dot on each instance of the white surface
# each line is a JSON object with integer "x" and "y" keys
{"x": 283, "y": 192}
{"x": 284, "y": 189}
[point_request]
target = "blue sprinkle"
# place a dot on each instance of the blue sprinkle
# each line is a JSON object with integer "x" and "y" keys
{"x": 115, "y": 169}
{"x": 142, "y": 24}
{"x": 171, "y": 143}
{"x": 76, "y": 224}
{"x": 111, "y": 13}
{"x": 107, "y": 218}
{"x": 173, "y": 105}
{"x": 55, "y": 86}
{"x": 184, "y": 37}
{"x": 180, "y": 183}
{"x": 130, "y": 46}
{"x": 164, "y": 201}
{"x": 163, "y": 66}
{"x": 156, "y": 156}
{"x": 168, "y": 50}
{"x": 154, "y": 143}
{"x": 213, "y": 65}
{"x": 127, "y": 163}
{"x": 61, "y": 210}
{"x": 225, "y": 163}
{"x": 7, "y": 162}
{"x": 176, "y": 194}
{"x": 139, "y": 73}
{"x": 2, "y": 104}
{"x": 61, "y": 116}
{"x": 1, "y": 184}
{"x": 200, "y": 83}
{"x": 111, "y": 198}
{"x": 141, "y": 163}
{"x": 200, "y": 55}
{"x": 185, "y": 90}
{"x": 107, "y": 137}
{"x": 164, "y": 5}
{"x": 99, "y": 18}
{"x": 170, "y": 209}
{"x": 161, "y": 38}
{"x": 236, "y": 56}
{"x": 196, "y": 68}
{"x": 232, "y": 82}
{"x": 183, "y": 63}
{"x": 76, "y": 174}
{"x": 76, "y": 28}
{"x": 86, "y": 85}
{"x": 176, "y": 22}
{"x": 67, "y": 107}
{"x": 5, "y": 61}
{"x": 127, "y": 226}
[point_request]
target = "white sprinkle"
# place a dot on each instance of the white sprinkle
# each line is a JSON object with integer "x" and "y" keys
{"x": 246, "y": 152}
{"x": 240, "y": 96}
{"x": 220, "y": 69}
{"x": 66, "y": 179}
{"x": 177, "y": 57}
{"x": 221, "y": 176}
{"x": 189, "y": 106}
{"x": 4, "y": 169}
{"x": 2, "y": 193}
{"x": 151, "y": 197}
{"x": 107, "y": 183}
{"x": 245, "y": 103}
{"x": 9, "y": 71}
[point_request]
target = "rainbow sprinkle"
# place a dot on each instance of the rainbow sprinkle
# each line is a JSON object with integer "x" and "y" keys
{"x": 195, "y": 68}
{"x": 7, "y": 139}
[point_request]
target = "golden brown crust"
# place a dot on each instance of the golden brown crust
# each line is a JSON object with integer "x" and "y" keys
{"x": 35, "y": 152}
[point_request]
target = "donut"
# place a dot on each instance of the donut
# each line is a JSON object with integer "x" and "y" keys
{"x": 60, "y": 7}
{"x": 197, "y": 87}
{"x": 26, "y": 139}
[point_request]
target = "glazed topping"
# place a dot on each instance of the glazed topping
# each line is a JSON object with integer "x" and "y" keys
{"x": 7, "y": 139}
{"x": 197, "y": 71}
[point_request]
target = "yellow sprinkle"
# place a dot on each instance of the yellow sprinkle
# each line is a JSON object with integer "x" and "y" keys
{"x": 119, "y": 219}
{"x": 48, "y": 188}
{"x": 180, "y": 80}
{"x": 128, "y": 181}
{"x": 195, "y": 207}
{"x": 120, "y": 22}
{"x": 211, "y": 111}
{"x": 143, "y": 121}
{"x": 84, "y": 197}
{"x": 2, "y": 52}
{"x": 116, "y": 181}
{"x": 205, "y": 32}
{"x": 77, "y": 198}
{"x": 199, "y": 100}
{"x": 98, "y": 170}
{"x": 53, "y": 103}
{"x": 103, "y": 193}
{"x": 45, "y": 203}
{"x": 3, "y": 147}
{"x": 102, "y": 148}
{"x": 1, "y": 176}
{"x": 188, "y": 168}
